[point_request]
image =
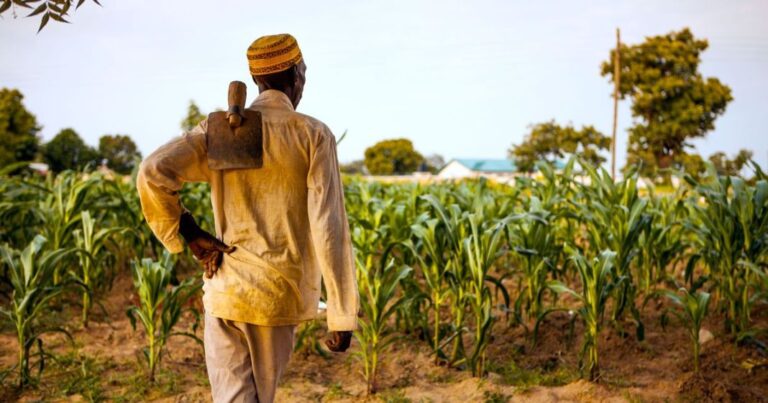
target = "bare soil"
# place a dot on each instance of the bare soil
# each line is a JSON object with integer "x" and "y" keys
{"x": 106, "y": 363}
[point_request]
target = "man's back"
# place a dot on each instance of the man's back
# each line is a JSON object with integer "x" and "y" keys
{"x": 286, "y": 219}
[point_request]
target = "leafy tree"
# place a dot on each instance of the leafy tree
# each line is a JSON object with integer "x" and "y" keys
{"x": 354, "y": 167}
{"x": 120, "y": 153}
{"x": 193, "y": 118}
{"x": 435, "y": 163}
{"x": 392, "y": 157}
{"x": 692, "y": 164}
{"x": 18, "y": 129}
{"x": 68, "y": 151}
{"x": 48, "y": 10}
{"x": 733, "y": 167}
{"x": 549, "y": 141}
{"x": 671, "y": 101}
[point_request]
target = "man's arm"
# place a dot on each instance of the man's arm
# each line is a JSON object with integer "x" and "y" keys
{"x": 160, "y": 178}
{"x": 331, "y": 239}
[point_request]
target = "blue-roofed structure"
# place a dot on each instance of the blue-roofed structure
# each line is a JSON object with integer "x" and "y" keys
{"x": 499, "y": 168}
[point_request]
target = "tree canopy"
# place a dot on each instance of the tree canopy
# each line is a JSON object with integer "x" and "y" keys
{"x": 392, "y": 157}
{"x": 67, "y": 150}
{"x": 193, "y": 118}
{"x": 671, "y": 101}
{"x": 549, "y": 141}
{"x": 18, "y": 129}
{"x": 120, "y": 153}
{"x": 56, "y": 10}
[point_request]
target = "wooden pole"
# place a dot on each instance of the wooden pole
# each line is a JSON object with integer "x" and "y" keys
{"x": 616, "y": 83}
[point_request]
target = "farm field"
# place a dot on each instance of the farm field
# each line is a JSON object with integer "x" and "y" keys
{"x": 569, "y": 287}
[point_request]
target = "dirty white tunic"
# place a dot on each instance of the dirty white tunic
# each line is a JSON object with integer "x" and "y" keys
{"x": 287, "y": 220}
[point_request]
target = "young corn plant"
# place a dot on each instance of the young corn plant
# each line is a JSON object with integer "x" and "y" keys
{"x": 482, "y": 251}
{"x": 731, "y": 225}
{"x": 31, "y": 273}
{"x": 160, "y": 306}
{"x": 91, "y": 246}
{"x": 67, "y": 195}
{"x": 694, "y": 308}
{"x": 378, "y": 284}
{"x": 615, "y": 217}
{"x": 532, "y": 238}
{"x": 433, "y": 255}
{"x": 598, "y": 283}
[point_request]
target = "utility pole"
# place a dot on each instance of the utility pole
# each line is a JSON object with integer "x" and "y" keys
{"x": 616, "y": 83}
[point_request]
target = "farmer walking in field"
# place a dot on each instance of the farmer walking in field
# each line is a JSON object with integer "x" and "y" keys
{"x": 278, "y": 206}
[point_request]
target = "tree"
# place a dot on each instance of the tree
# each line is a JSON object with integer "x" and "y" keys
{"x": 733, "y": 167}
{"x": 435, "y": 163}
{"x": 193, "y": 118}
{"x": 67, "y": 150}
{"x": 18, "y": 129}
{"x": 120, "y": 153}
{"x": 354, "y": 167}
{"x": 549, "y": 141}
{"x": 392, "y": 157}
{"x": 55, "y": 10}
{"x": 671, "y": 101}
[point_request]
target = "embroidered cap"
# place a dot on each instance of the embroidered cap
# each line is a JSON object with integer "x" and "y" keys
{"x": 273, "y": 54}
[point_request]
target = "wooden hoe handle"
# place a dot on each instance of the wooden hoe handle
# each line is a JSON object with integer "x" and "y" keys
{"x": 236, "y": 102}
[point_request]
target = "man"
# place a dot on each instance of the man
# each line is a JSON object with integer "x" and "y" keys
{"x": 279, "y": 228}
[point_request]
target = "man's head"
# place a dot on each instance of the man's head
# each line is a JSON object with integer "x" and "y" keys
{"x": 276, "y": 63}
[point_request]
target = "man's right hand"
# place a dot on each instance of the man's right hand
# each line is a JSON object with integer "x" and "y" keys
{"x": 338, "y": 342}
{"x": 206, "y": 248}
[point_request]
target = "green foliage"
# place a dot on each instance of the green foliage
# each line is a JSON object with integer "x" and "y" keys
{"x": 18, "y": 128}
{"x": 672, "y": 102}
{"x": 160, "y": 305}
{"x": 93, "y": 257}
{"x": 550, "y": 142}
{"x": 725, "y": 166}
{"x": 31, "y": 273}
{"x": 67, "y": 151}
{"x": 193, "y": 118}
{"x": 597, "y": 284}
{"x": 731, "y": 228}
{"x": 694, "y": 308}
{"x": 57, "y": 10}
{"x": 392, "y": 157}
{"x": 120, "y": 153}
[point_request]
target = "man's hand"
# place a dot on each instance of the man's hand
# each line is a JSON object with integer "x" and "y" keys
{"x": 338, "y": 342}
{"x": 206, "y": 248}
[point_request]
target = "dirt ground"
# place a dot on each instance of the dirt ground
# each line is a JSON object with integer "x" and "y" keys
{"x": 106, "y": 363}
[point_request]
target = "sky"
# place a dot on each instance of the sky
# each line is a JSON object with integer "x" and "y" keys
{"x": 463, "y": 79}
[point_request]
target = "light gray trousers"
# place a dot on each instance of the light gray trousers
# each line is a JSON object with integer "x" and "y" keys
{"x": 245, "y": 361}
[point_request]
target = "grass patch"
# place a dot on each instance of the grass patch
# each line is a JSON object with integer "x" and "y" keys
{"x": 394, "y": 396}
{"x": 511, "y": 374}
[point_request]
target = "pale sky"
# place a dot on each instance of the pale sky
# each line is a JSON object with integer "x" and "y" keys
{"x": 458, "y": 78}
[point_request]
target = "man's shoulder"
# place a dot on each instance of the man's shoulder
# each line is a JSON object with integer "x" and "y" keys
{"x": 314, "y": 124}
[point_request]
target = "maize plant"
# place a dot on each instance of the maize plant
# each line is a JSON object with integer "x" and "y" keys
{"x": 615, "y": 217}
{"x": 731, "y": 227}
{"x": 598, "y": 283}
{"x": 482, "y": 251}
{"x": 91, "y": 247}
{"x": 664, "y": 242}
{"x": 67, "y": 195}
{"x": 694, "y": 308}
{"x": 31, "y": 273}
{"x": 378, "y": 284}
{"x": 432, "y": 254}
{"x": 160, "y": 306}
{"x": 451, "y": 220}
{"x": 532, "y": 238}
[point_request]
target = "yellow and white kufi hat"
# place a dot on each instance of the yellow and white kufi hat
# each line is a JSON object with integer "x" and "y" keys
{"x": 273, "y": 54}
